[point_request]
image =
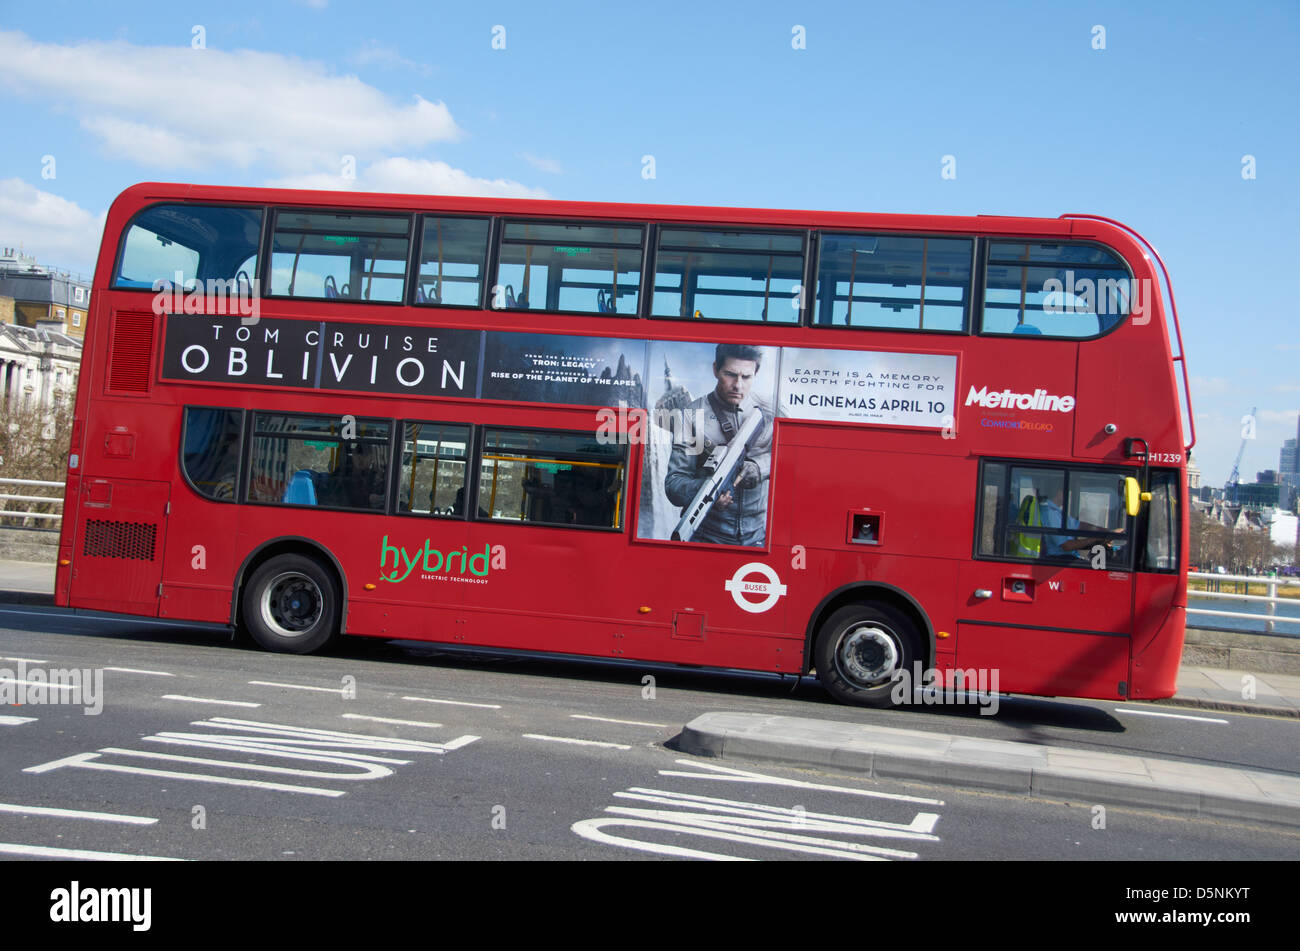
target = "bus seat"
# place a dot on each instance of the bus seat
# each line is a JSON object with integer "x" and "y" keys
{"x": 1027, "y": 329}
{"x": 301, "y": 489}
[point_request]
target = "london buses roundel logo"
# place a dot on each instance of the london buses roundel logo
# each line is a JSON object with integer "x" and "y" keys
{"x": 769, "y": 589}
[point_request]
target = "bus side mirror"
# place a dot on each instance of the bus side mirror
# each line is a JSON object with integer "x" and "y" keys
{"x": 1134, "y": 496}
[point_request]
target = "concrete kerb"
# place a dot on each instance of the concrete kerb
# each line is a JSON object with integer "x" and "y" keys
{"x": 1228, "y": 706}
{"x": 1022, "y": 768}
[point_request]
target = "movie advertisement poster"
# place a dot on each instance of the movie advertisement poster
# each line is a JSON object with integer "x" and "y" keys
{"x": 367, "y": 358}
{"x": 708, "y": 458}
{"x": 862, "y": 386}
{"x": 552, "y": 368}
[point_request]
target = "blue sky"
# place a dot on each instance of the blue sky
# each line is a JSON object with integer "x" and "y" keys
{"x": 1152, "y": 130}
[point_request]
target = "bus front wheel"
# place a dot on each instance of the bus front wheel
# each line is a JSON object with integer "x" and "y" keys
{"x": 291, "y": 604}
{"x": 859, "y": 650}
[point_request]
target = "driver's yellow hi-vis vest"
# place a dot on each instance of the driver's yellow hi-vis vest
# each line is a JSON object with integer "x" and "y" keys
{"x": 1025, "y": 545}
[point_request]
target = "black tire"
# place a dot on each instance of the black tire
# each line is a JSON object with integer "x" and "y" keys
{"x": 860, "y": 648}
{"x": 290, "y": 604}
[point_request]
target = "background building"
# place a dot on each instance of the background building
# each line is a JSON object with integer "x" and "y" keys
{"x": 32, "y": 295}
{"x": 38, "y": 366}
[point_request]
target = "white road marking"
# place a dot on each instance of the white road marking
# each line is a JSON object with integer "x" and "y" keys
{"x": 789, "y": 829}
{"x": 44, "y": 852}
{"x": 592, "y": 829}
{"x": 75, "y": 814}
{"x": 367, "y": 770}
{"x": 86, "y": 761}
{"x": 133, "y": 670}
{"x": 25, "y": 660}
{"x": 39, "y": 683}
{"x": 728, "y": 774}
{"x": 747, "y": 831}
{"x": 362, "y": 716}
{"x": 286, "y": 749}
{"x": 225, "y": 703}
{"x": 1171, "y": 716}
{"x": 269, "y": 683}
{"x": 15, "y": 721}
{"x": 921, "y": 827}
{"x": 581, "y": 716}
{"x": 353, "y": 753}
{"x": 567, "y": 739}
{"x": 456, "y": 703}
{"x": 331, "y": 738}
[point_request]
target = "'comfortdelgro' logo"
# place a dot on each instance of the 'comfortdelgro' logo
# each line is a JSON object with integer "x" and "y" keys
{"x": 73, "y": 687}
{"x": 1005, "y": 399}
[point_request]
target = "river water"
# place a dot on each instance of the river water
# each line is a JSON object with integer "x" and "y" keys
{"x": 1288, "y": 609}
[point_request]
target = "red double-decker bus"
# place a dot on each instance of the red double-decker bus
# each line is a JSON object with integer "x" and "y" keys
{"x": 782, "y": 441}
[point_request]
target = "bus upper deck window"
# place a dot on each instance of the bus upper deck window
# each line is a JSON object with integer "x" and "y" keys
{"x": 570, "y": 267}
{"x": 186, "y": 244}
{"x": 1060, "y": 290}
{"x": 728, "y": 275}
{"x": 331, "y": 256}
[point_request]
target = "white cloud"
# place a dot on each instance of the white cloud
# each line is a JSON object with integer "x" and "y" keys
{"x": 413, "y": 176}
{"x": 374, "y": 52}
{"x": 1208, "y": 386}
{"x": 1285, "y": 416}
{"x": 57, "y": 232}
{"x": 550, "y": 166}
{"x": 176, "y": 107}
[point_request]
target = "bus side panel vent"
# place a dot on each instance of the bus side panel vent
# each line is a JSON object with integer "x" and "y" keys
{"x": 131, "y": 353}
{"x": 105, "y": 539}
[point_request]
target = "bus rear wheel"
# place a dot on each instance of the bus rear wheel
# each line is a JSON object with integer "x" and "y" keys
{"x": 859, "y": 650}
{"x": 291, "y": 605}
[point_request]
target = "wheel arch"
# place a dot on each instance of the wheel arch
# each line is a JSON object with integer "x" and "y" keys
{"x": 866, "y": 592}
{"x": 290, "y": 545}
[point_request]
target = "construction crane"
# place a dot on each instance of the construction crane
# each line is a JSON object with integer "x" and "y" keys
{"x": 1236, "y": 465}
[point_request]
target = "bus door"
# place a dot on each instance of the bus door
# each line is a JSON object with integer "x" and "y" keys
{"x": 117, "y": 560}
{"x": 1047, "y": 600}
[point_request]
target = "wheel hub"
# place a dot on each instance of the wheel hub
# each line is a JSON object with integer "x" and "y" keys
{"x": 292, "y": 604}
{"x": 868, "y": 654}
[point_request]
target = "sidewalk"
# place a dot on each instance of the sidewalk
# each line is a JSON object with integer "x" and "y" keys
{"x": 26, "y": 582}
{"x": 1026, "y": 769}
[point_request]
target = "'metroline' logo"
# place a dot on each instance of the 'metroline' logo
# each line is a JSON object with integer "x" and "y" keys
{"x": 928, "y": 686}
{"x": 1005, "y": 399}
{"x": 59, "y": 686}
